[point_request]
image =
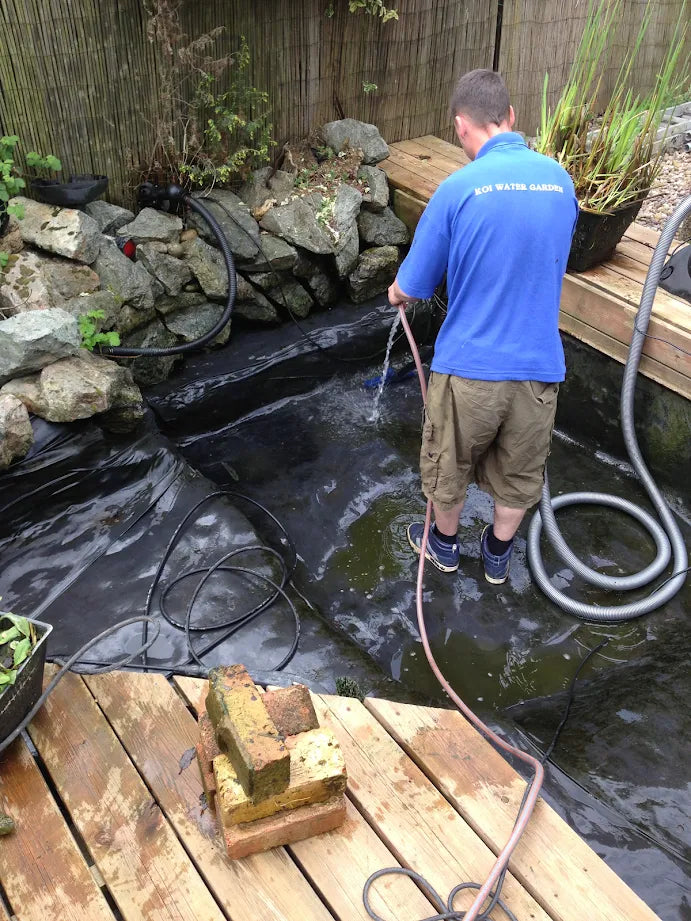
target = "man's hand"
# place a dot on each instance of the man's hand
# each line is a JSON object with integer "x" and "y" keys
{"x": 396, "y": 296}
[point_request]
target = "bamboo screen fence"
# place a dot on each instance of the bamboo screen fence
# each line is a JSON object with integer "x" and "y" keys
{"x": 81, "y": 80}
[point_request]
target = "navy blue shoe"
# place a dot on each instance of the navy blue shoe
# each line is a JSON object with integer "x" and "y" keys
{"x": 496, "y": 567}
{"x": 443, "y": 556}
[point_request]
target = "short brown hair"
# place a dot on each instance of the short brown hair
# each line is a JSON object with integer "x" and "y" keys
{"x": 481, "y": 95}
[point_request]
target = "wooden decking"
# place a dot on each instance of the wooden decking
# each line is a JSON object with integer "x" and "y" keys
{"x": 598, "y": 306}
{"x": 111, "y": 820}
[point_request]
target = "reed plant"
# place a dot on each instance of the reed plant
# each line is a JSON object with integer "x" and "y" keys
{"x": 614, "y": 159}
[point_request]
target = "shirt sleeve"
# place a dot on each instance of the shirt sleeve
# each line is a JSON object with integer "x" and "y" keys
{"x": 424, "y": 266}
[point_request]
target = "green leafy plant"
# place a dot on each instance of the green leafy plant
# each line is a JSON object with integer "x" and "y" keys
{"x": 12, "y": 182}
{"x": 90, "y": 333}
{"x": 369, "y": 87}
{"x": 375, "y": 8}
{"x": 17, "y": 639}
{"x": 214, "y": 125}
{"x": 612, "y": 160}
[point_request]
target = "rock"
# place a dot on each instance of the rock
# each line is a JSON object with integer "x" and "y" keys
{"x": 104, "y": 301}
{"x": 127, "y": 280}
{"x": 324, "y": 289}
{"x": 383, "y": 229}
{"x": 188, "y": 234}
{"x": 292, "y": 296}
{"x": 274, "y": 254}
{"x": 173, "y": 249}
{"x": 375, "y": 271}
{"x": 152, "y": 370}
{"x": 152, "y": 225}
{"x": 34, "y": 339}
{"x": 166, "y": 304}
{"x": 348, "y": 131}
{"x": 297, "y": 223}
{"x": 131, "y": 318}
{"x": 239, "y": 227}
{"x": 110, "y": 218}
{"x": 208, "y": 267}
{"x": 346, "y": 209}
{"x": 264, "y": 184}
{"x": 31, "y": 281}
{"x": 194, "y": 323}
{"x": 377, "y": 198}
{"x": 171, "y": 272}
{"x": 258, "y": 310}
{"x": 75, "y": 388}
{"x": 266, "y": 281}
{"x": 16, "y": 434}
{"x": 63, "y": 231}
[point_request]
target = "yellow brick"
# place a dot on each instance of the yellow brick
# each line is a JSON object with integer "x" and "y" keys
{"x": 317, "y": 773}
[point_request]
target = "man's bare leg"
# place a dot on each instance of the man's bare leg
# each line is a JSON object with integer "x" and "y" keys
{"x": 506, "y": 521}
{"x": 447, "y": 522}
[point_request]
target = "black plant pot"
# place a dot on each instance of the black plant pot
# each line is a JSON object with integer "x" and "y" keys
{"x": 18, "y": 698}
{"x": 77, "y": 192}
{"x": 597, "y": 235}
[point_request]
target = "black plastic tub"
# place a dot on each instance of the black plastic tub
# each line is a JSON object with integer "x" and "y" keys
{"x": 75, "y": 193}
{"x": 597, "y": 235}
{"x": 18, "y": 698}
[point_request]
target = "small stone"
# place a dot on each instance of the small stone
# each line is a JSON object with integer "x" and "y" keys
{"x": 16, "y": 437}
{"x": 110, "y": 218}
{"x": 152, "y": 225}
{"x": 189, "y": 233}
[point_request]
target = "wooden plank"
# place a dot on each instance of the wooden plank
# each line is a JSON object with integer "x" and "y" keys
{"x": 561, "y": 871}
{"x": 263, "y": 886}
{"x": 452, "y": 151}
{"x": 407, "y": 208}
{"x": 141, "y": 860}
{"x": 647, "y": 235}
{"x": 410, "y": 815}
{"x": 43, "y": 872}
{"x": 419, "y": 167}
{"x": 634, "y": 250}
{"x": 666, "y": 306}
{"x": 338, "y": 863}
{"x": 438, "y": 160}
{"x": 403, "y": 179}
{"x": 663, "y": 375}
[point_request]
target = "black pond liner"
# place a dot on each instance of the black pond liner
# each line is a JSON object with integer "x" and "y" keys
{"x": 75, "y": 193}
{"x": 597, "y": 235}
{"x": 17, "y": 699}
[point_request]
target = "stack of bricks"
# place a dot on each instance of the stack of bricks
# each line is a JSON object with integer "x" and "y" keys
{"x": 272, "y": 774}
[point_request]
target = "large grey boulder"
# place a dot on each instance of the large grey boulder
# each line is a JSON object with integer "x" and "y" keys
{"x": 104, "y": 301}
{"x": 131, "y": 318}
{"x": 375, "y": 271}
{"x": 251, "y": 304}
{"x": 31, "y": 281}
{"x": 189, "y": 325}
{"x": 323, "y": 288}
{"x": 171, "y": 272}
{"x": 291, "y": 295}
{"x": 352, "y": 133}
{"x": 266, "y": 184}
{"x": 31, "y": 340}
{"x": 296, "y": 222}
{"x": 151, "y": 226}
{"x": 152, "y": 370}
{"x": 274, "y": 254}
{"x": 166, "y": 304}
{"x": 128, "y": 281}
{"x": 75, "y": 388}
{"x": 16, "y": 434}
{"x": 346, "y": 209}
{"x": 63, "y": 231}
{"x": 376, "y": 197}
{"x": 239, "y": 227}
{"x": 383, "y": 229}
{"x": 208, "y": 267}
{"x": 110, "y": 218}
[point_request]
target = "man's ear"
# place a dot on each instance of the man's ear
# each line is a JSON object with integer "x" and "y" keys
{"x": 461, "y": 127}
{"x": 512, "y": 117}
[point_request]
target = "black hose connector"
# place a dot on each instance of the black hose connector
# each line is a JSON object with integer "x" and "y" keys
{"x": 176, "y": 193}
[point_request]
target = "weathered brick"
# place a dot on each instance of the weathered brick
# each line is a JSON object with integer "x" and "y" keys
{"x": 291, "y": 709}
{"x": 246, "y": 733}
{"x": 317, "y": 773}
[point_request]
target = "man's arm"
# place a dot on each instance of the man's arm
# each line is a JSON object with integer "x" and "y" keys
{"x": 424, "y": 266}
{"x": 397, "y": 296}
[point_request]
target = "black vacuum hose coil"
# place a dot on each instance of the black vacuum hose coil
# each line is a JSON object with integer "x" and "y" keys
{"x": 175, "y": 193}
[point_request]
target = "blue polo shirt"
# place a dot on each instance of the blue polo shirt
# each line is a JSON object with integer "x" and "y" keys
{"x": 501, "y": 229}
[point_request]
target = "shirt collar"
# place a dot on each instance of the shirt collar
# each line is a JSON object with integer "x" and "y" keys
{"x": 506, "y": 137}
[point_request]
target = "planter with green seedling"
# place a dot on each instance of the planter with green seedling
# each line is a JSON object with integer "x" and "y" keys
{"x": 22, "y": 659}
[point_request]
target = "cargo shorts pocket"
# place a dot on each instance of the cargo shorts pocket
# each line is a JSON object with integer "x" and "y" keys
{"x": 543, "y": 393}
{"x": 430, "y": 453}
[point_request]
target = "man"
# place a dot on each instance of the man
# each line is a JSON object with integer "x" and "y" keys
{"x": 500, "y": 228}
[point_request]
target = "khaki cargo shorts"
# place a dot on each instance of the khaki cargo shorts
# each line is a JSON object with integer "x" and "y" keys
{"x": 494, "y": 433}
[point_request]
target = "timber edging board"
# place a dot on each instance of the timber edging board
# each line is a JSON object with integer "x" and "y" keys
{"x": 598, "y": 306}
{"x": 121, "y": 827}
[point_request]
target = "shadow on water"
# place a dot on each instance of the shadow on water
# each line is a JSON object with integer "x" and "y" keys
{"x": 347, "y": 487}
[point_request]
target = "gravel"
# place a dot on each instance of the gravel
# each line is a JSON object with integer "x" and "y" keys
{"x": 671, "y": 186}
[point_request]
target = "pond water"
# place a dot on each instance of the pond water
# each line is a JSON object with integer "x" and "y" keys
{"x": 346, "y": 487}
